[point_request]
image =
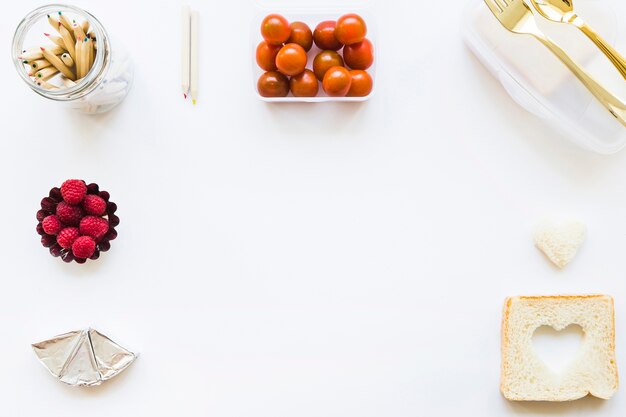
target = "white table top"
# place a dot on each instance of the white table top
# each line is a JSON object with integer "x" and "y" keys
{"x": 297, "y": 260}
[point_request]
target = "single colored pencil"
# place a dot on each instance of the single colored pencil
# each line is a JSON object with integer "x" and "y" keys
{"x": 54, "y": 22}
{"x": 78, "y": 31}
{"x": 84, "y": 57}
{"x": 193, "y": 84}
{"x": 185, "y": 46}
{"x": 39, "y": 64}
{"x": 65, "y": 21}
{"x": 58, "y": 64}
{"x": 68, "y": 40}
{"x": 45, "y": 74}
{"x": 92, "y": 55}
{"x": 78, "y": 59}
{"x": 46, "y": 84}
{"x": 56, "y": 39}
{"x": 34, "y": 54}
{"x": 67, "y": 59}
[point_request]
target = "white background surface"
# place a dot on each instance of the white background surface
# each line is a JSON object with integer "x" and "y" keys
{"x": 296, "y": 260}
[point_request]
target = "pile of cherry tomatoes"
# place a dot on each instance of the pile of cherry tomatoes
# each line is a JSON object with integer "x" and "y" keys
{"x": 283, "y": 55}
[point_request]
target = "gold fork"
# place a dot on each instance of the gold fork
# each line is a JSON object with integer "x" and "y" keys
{"x": 562, "y": 11}
{"x": 516, "y": 16}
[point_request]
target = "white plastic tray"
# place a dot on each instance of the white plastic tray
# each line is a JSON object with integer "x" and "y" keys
{"x": 311, "y": 16}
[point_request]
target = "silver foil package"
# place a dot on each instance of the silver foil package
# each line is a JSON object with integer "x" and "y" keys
{"x": 83, "y": 357}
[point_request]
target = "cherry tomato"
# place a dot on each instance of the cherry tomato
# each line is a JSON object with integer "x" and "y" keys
{"x": 291, "y": 59}
{"x": 350, "y": 29}
{"x": 361, "y": 84}
{"x": 273, "y": 84}
{"x": 304, "y": 84}
{"x": 275, "y": 29}
{"x": 266, "y": 55}
{"x": 359, "y": 55}
{"x": 324, "y": 36}
{"x": 337, "y": 82}
{"x": 301, "y": 34}
{"x": 324, "y": 61}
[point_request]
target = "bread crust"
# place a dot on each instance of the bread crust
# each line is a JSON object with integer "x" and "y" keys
{"x": 506, "y": 342}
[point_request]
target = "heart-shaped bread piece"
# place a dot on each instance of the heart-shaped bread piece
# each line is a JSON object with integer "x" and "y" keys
{"x": 560, "y": 242}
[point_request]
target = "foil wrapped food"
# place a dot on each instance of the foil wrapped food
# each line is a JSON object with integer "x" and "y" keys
{"x": 83, "y": 357}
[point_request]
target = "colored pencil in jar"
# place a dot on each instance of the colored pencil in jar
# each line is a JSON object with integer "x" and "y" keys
{"x": 67, "y": 59}
{"x": 56, "y": 40}
{"x": 68, "y": 40}
{"x": 65, "y": 21}
{"x": 58, "y": 63}
{"x": 45, "y": 74}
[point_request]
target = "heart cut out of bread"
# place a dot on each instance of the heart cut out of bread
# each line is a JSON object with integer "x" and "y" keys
{"x": 558, "y": 349}
{"x": 560, "y": 242}
{"x": 525, "y": 377}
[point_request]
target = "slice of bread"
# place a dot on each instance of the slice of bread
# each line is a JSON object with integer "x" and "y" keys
{"x": 560, "y": 243}
{"x": 525, "y": 377}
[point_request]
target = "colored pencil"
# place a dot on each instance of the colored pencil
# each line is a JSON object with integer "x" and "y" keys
{"x": 193, "y": 85}
{"x": 54, "y": 22}
{"x": 39, "y": 64}
{"x": 65, "y": 22}
{"x": 56, "y": 39}
{"x": 45, "y": 74}
{"x": 78, "y": 31}
{"x": 84, "y": 58}
{"x": 58, "y": 64}
{"x": 185, "y": 38}
{"x": 67, "y": 59}
{"x": 68, "y": 40}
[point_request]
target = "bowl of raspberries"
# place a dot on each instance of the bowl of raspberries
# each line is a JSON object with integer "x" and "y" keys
{"x": 77, "y": 221}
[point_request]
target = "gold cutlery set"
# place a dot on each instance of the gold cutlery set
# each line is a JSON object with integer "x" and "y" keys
{"x": 519, "y": 17}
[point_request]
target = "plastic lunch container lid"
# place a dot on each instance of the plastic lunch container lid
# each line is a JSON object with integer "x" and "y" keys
{"x": 541, "y": 84}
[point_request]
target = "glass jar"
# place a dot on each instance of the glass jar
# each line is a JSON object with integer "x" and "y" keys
{"x": 106, "y": 84}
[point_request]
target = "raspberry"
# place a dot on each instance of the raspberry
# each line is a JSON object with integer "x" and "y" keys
{"x": 93, "y": 226}
{"x": 94, "y": 205}
{"x": 69, "y": 215}
{"x": 51, "y": 225}
{"x": 67, "y": 236}
{"x": 73, "y": 191}
{"x": 84, "y": 247}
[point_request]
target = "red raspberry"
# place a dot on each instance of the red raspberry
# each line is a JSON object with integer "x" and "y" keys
{"x": 51, "y": 225}
{"x": 84, "y": 247}
{"x": 67, "y": 237}
{"x": 93, "y": 226}
{"x": 68, "y": 214}
{"x": 73, "y": 191}
{"x": 94, "y": 205}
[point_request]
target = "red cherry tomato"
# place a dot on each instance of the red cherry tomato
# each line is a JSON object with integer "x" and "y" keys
{"x": 301, "y": 34}
{"x": 273, "y": 84}
{"x": 359, "y": 55}
{"x": 361, "y": 84}
{"x": 350, "y": 29}
{"x": 304, "y": 84}
{"x": 291, "y": 59}
{"x": 275, "y": 29}
{"x": 266, "y": 55}
{"x": 337, "y": 82}
{"x": 324, "y": 36}
{"x": 324, "y": 61}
